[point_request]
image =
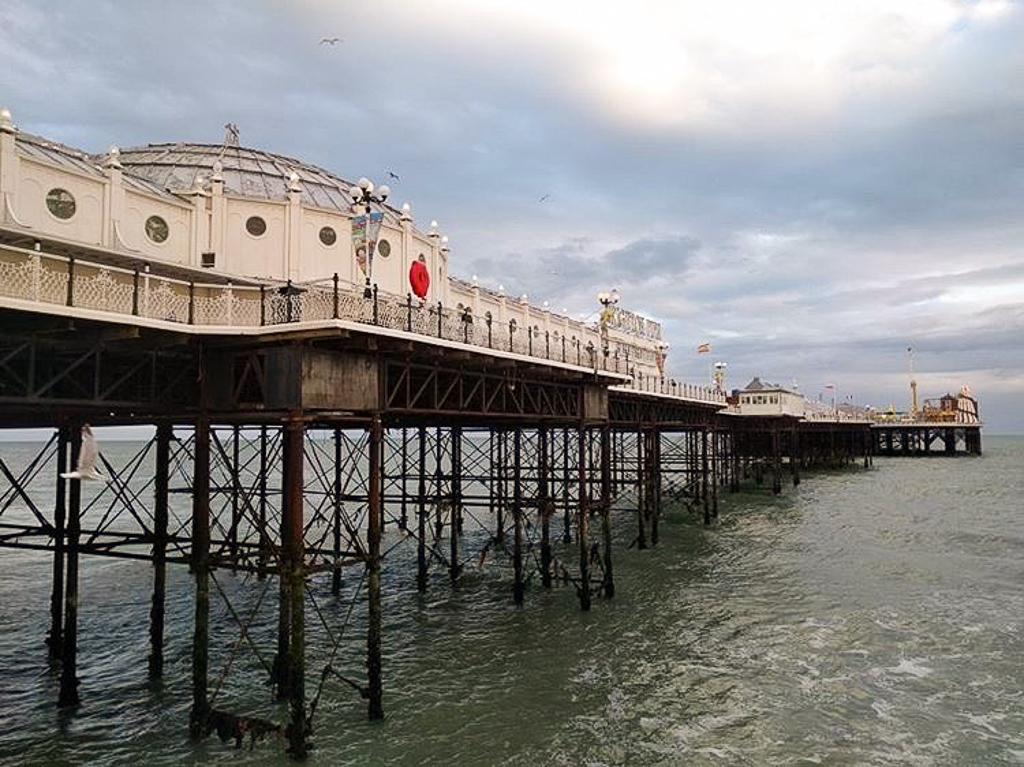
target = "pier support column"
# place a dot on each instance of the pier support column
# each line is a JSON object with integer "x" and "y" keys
{"x": 606, "y": 508}
{"x": 160, "y": 517}
{"x": 199, "y": 716}
{"x": 518, "y": 585}
{"x": 499, "y": 489}
{"x": 53, "y": 639}
{"x": 337, "y": 507}
{"x": 704, "y": 473}
{"x": 641, "y": 490}
{"x": 262, "y": 487}
{"x": 795, "y": 451}
{"x": 545, "y": 506}
{"x": 294, "y": 577}
{"x": 776, "y": 462}
{"x": 421, "y": 512}
{"x": 654, "y": 482}
{"x": 375, "y": 684}
{"x": 566, "y": 482}
{"x": 69, "y": 644}
{"x": 716, "y": 467}
{"x": 455, "y": 510}
{"x": 583, "y": 521}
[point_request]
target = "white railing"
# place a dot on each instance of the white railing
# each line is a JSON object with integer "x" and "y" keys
{"x": 57, "y": 280}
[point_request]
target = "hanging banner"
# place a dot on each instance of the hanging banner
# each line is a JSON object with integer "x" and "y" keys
{"x": 365, "y": 231}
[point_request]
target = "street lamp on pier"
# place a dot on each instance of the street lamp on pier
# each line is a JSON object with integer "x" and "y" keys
{"x": 608, "y": 300}
{"x": 369, "y": 222}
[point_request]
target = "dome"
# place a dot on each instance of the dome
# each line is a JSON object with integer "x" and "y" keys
{"x": 246, "y": 172}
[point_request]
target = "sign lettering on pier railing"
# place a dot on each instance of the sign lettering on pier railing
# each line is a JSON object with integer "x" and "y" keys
{"x": 634, "y": 324}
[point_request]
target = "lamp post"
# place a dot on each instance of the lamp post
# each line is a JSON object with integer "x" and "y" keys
{"x": 608, "y": 300}
{"x": 363, "y": 198}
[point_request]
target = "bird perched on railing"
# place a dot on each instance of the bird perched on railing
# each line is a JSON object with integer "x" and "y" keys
{"x": 87, "y": 455}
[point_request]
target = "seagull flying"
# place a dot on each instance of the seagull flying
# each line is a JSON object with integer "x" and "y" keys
{"x": 330, "y": 40}
{"x": 543, "y": 198}
{"x": 87, "y": 455}
{"x": 394, "y": 176}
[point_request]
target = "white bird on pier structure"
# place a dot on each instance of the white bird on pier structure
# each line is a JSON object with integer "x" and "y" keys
{"x": 87, "y": 455}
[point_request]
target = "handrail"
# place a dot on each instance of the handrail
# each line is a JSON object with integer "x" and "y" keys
{"x": 58, "y": 280}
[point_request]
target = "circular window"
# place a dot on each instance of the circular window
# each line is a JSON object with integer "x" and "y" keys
{"x": 60, "y": 203}
{"x": 156, "y": 229}
{"x": 256, "y": 226}
{"x": 328, "y": 236}
{"x": 383, "y": 248}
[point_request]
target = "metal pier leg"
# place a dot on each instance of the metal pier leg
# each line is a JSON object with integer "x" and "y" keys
{"x": 545, "y": 507}
{"x": 160, "y": 516}
{"x": 567, "y": 520}
{"x": 654, "y": 488}
{"x": 404, "y": 519}
{"x": 69, "y": 646}
{"x": 455, "y": 510}
{"x": 518, "y": 587}
{"x": 336, "y": 522}
{"x": 293, "y": 574}
{"x": 421, "y": 512}
{"x": 498, "y": 476}
{"x": 583, "y": 522}
{"x": 641, "y": 491}
{"x": 606, "y": 508}
{"x": 199, "y": 717}
{"x": 716, "y": 468}
{"x": 794, "y": 456}
{"x": 234, "y": 471}
{"x": 776, "y": 462}
{"x": 704, "y": 472}
{"x": 375, "y": 683}
{"x": 264, "y": 468}
{"x": 53, "y": 640}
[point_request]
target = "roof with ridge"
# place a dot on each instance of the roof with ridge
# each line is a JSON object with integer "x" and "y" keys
{"x": 246, "y": 172}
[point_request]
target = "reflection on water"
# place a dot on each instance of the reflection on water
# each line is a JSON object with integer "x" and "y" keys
{"x": 866, "y": 617}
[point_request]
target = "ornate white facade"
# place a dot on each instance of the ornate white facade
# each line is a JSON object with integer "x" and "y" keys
{"x": 226, "y": 235}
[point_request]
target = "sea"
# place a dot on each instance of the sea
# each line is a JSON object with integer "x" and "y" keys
{"x": 866, "y": 617}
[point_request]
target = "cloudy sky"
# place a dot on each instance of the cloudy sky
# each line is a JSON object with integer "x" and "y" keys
{"x": 812, "y": 187}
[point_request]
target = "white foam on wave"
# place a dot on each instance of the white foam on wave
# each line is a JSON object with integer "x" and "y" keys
{"x": 985, "y": 721}
{"x": 911, "y": 667}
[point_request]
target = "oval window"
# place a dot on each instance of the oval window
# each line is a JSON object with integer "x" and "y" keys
{"x": 156, "y": 229}
{"x": 328, "y": 236}
{"x": 256, "y": 226}
{"x": 383, "y": 248}
{"x": 60, "y": 203}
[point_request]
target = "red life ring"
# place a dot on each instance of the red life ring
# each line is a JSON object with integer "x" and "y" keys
{"x": 419, "y": 279}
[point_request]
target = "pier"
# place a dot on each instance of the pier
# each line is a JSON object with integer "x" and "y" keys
{"x": 326, "y": 434}
{"x": 306, "y": 449}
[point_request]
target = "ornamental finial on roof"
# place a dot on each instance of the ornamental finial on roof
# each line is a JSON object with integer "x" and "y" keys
{"x": 293, "y": 182}
{"x": 113, "y": 158}
{"x": 218, "y": 171}
{"x": 6, "y": 126}
{"x": 232, "y": 136}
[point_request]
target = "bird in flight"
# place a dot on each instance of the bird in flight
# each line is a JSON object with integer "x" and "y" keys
{"x": 394, "y": 176}
{"x": 543, "y": 198}
{"x": 330, "y": 40}
{"x": 87, "y": 455}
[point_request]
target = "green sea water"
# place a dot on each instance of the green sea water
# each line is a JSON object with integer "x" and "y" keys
{"x": 865, "y": 617}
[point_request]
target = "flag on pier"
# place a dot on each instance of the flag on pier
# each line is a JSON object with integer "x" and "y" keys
{"x": 704, "y": 348}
